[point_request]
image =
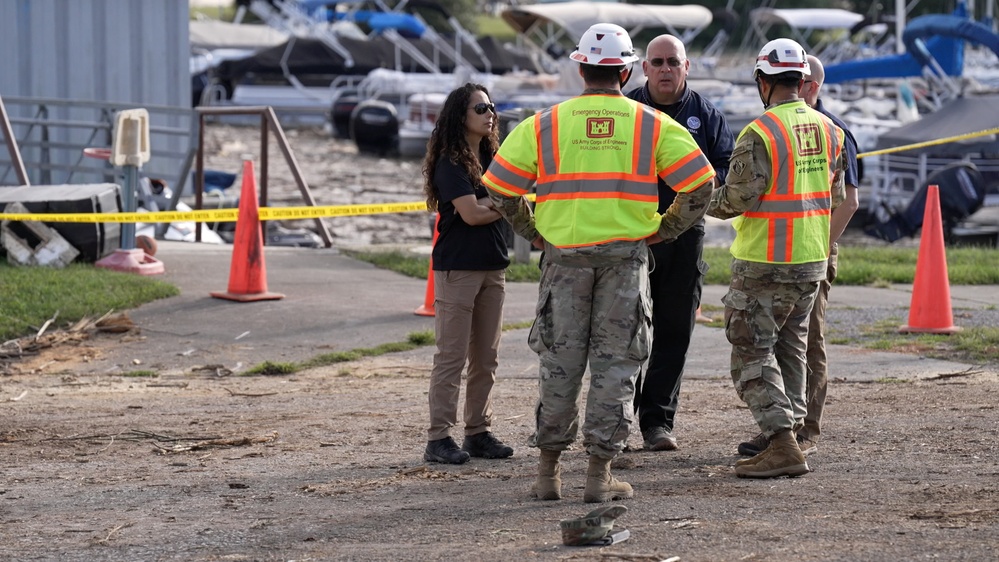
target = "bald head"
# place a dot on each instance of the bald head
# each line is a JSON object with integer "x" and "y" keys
{"x": 813, "y": 81}
{"x": 668, "y": 42}
{"x": 817, "y": 72}
{"x": 666, "y": 82}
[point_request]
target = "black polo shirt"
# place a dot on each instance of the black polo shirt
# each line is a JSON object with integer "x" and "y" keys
{"x": 461, "y": 246}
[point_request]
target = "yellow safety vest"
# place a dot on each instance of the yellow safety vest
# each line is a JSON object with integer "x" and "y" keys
{"x": 790, "y": 223}
{"x": 596, "y": 159}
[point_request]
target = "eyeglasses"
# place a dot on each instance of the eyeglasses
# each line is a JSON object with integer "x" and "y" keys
{"x": 483, "y": 107}
{"x": 673, "y": 62}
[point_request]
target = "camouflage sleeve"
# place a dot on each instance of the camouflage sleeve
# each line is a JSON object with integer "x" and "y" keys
{"x": 517, "y": 211}
{"x": 839, "y": 181}
{"x": 747, "y": 179}
{"x": 686, "y": 209}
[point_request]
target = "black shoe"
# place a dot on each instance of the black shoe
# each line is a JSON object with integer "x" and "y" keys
{"x": 445, "y": 451}
{"x": 659, "y": 439}
{"x": 754, "y": 446}
{"x": 486, "y": 446}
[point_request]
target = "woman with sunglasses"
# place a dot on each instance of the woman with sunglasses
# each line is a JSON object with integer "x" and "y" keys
{"x": 469, "y": 260}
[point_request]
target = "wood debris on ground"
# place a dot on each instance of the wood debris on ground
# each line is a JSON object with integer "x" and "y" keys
{"x": 78, "y": 332}
{"x": 212, "y": 443}
{"x": 46, "y": 338}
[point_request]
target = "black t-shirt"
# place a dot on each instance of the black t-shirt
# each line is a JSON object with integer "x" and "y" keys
{"x": 461, "y": 246}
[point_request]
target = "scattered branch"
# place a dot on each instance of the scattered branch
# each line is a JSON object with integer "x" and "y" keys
{"x": 230, "y": 442}
{"x": 965, "y": 373}
{"x": 108, "y": 445}
{"x": 166, "y": 385}
{"x": 46, "y": 325}
{"x": 107, "y": 539}
{"x": 250, "y": 394}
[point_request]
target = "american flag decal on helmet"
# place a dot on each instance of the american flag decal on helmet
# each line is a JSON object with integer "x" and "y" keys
{"x": 595, "y": 50}
{"x": 789, "y": 53}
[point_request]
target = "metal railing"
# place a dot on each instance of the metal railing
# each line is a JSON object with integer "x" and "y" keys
{"x": 58, "y": 131}
{"x": 52, "y": 134}
{"x": 268, "y": 123}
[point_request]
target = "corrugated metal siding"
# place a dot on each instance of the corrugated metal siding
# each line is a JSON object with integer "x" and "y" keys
{"x": 131, "y": 52}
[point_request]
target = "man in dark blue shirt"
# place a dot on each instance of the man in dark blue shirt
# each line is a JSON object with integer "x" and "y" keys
{"x": 818, "y": 367}
{"x": 678, "y": 271}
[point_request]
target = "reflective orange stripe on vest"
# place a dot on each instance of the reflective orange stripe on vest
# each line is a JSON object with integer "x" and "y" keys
{"x": 636, "y": 184}
{"x": 507, "y": 178}
{"x": 786, "y": 201}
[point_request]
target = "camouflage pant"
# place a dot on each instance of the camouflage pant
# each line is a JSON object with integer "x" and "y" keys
{"x": 818, "y": 366}
{"x": 600, "y": 315}
{"x": 767, "y": 325}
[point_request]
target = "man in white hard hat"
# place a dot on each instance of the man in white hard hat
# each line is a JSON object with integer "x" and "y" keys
{"x": 596, "y": 160}
{"x": 784, "y": 180}
{"x": 818, "y": 368}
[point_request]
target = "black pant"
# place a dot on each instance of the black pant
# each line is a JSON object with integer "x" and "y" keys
{"x": 676, "y": 282}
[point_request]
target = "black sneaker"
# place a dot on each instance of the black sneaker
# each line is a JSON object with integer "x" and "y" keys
{"x": 659, "y": 439}
{"x": 445, "y": 451}
{"x": 486, "y": 446}
{"x": 754, "y": 446}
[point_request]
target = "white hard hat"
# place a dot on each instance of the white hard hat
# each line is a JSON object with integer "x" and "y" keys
{"x": 605, "y": 44}
{"x": 780, "y": 56}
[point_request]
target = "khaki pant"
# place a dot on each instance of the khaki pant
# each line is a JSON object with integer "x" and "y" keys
{"x": 818, "y": 367}
{"x": 468, "y": 320}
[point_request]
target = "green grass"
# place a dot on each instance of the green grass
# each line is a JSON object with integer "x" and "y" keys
{"x": 882, "y": 266}
{"x": 871, "y": 265}
{"x": 494, "y": 26}
{"x": 414, "y": 265}
{"x": 413, "y": 341}
{"x": 140, "y": 374}
{"x": 29, "y": 296}
{"x": 876, "y": 266}
{"x": 973, "y": 345}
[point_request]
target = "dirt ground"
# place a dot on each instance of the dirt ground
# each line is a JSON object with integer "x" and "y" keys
{"x": 327, "y": 464}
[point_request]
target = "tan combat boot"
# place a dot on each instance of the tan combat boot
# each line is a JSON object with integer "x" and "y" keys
{"x": 783, "y": 458}
{"x": 548, "y": 486}
{"x": 601, "y": 486}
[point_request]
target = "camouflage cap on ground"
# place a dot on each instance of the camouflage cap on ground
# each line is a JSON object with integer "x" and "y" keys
{"x": 591, "y": 527}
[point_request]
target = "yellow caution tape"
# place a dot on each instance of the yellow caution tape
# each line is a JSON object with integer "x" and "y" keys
{"x": 944, "y": 140}
{"x": 222, "y": 215}
{"x": 295, "y": 213}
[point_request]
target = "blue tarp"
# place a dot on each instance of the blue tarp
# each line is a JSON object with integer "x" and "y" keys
{"x": 927, "y": 38}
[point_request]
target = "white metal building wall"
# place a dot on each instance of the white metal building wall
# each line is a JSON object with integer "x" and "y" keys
{"x": 133, "y": 52}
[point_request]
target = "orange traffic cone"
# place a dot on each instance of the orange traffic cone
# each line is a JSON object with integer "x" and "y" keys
{"x": 427, "y": 309}
{"x": 930, "y": 310}
{"x": 247, "y": 272}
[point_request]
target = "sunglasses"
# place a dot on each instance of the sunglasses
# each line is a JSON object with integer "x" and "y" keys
{"x": 672, "y": 62}
{"x": 483, "y": 107}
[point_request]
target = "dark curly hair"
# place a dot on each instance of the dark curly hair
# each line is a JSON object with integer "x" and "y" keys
{"x": 448, "y": 141}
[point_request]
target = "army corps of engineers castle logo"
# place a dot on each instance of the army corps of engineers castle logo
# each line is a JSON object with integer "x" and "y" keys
{"x": 809, "y": 139}
{"x": 599, "y": 127}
